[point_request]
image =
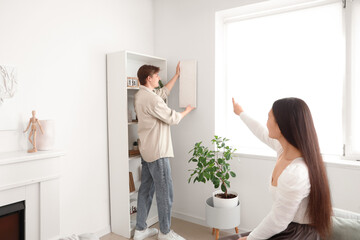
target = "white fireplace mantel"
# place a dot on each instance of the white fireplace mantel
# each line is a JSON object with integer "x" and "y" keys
{"x": 23, "y": 156}
{"x": 33, "y": 178}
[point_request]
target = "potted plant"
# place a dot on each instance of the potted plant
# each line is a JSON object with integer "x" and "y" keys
{"x": 161, "y": 85}
{"x": 135, "y": 145}
{"x": 213, "y": 165}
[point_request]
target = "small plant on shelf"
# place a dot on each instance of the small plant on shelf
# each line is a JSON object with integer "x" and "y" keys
{"x": 135, "y": 145}
{"x": 213, "y": 165}
{"x": 161, "y": 85}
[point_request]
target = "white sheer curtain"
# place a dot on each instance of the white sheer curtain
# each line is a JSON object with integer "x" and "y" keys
{"x": 294, "y": 54}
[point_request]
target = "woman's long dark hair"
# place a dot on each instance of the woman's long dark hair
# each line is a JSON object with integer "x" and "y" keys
{"x": 296, "y": 124}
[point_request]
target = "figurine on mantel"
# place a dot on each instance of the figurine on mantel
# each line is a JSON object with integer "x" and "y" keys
{"x": 33, "y": 121}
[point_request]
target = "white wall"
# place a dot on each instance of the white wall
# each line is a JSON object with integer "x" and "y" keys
{"x": 186, "y": 30}
{"x": 59, "y": 50}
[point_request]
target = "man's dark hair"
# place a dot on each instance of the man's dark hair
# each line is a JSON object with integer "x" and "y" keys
{"x": 146, "y": 71}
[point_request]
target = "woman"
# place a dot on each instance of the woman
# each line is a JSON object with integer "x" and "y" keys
{"x": 299, "y": 185}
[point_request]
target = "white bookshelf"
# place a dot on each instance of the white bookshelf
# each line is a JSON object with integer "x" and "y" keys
{"x": 121, "y": 135}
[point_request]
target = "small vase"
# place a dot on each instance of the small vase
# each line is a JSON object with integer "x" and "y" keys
{"x": 46, "y": 141}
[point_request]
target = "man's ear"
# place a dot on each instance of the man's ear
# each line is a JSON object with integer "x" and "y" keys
{"x": 148, "y": 79}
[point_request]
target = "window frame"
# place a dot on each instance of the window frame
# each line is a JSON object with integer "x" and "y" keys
{"x": 272, "y": 7}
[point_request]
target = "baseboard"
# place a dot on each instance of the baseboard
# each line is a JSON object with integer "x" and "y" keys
{"x": 201, "y": 221}
{"x": 189, "y": 218}
{"x": 103, "y": 231}
{"x": 55, "y": 238}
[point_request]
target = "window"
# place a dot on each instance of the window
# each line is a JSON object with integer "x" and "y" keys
{"x": 353, "y": 132}
{"x": 269, "y": 52}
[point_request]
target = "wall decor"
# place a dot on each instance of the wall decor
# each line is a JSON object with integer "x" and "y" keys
{"x": 8, "y": 82}
{"x": 187, "y": 83}
{"x": 10, "y": 99}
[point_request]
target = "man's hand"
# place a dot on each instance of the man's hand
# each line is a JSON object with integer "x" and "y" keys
{"x": 171, "y": 83}
{"x": 187, "y": 110}
{"x": 178, "y": 69}
{"x": 242, "y": 238}
{"x": 237, "y": 108}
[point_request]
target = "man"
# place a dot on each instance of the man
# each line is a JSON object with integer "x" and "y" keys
{"x": 155, "y": 118}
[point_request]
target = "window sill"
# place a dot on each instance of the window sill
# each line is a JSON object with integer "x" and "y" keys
{"x": 336, "y": 161}
{"x": 330, "y": 161}
{"x": 255, "y": 156}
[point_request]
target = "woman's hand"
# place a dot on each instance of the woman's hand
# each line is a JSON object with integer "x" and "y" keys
{"x": 242, "y": 238}
{"x": 237, "y": 108}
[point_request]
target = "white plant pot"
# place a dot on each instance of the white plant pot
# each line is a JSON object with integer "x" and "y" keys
{"x": 45, "y": 141}
{"x": 225, "y": 203}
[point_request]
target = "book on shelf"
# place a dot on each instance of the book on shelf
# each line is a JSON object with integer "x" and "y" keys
{"x": 133, "y": 153}
{"x": 131, "y": 182}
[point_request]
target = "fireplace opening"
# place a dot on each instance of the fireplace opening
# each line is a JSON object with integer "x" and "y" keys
{"x": 12, "y": 221}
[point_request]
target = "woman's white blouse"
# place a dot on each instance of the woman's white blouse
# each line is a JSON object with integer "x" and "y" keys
{"x": 290, "y": 196}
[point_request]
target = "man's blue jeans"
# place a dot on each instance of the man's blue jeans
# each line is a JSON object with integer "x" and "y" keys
{"x": 155, "y": 177}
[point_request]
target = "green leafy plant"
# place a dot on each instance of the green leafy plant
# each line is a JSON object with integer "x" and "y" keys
{"x": 161, "y": 85}
{"x": 213, "y": 165}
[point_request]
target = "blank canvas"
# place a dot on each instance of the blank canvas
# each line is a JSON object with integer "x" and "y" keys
{"x": 187, "y": 84}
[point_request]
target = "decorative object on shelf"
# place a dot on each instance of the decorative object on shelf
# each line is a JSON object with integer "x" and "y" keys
{"x": 131, "y": 182}
{"x": 133, "y": 210}
{"x": 135, "y": 146}
{"x": 8, "y": 82}
{"x": 129, "y": 82}
{"x": 133, "y": 207}
{"x": 45, "y": 141}
{"x": 32, "y": 122}
{"x": 212, "y": 165}
{"x": 133, "y": 82}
